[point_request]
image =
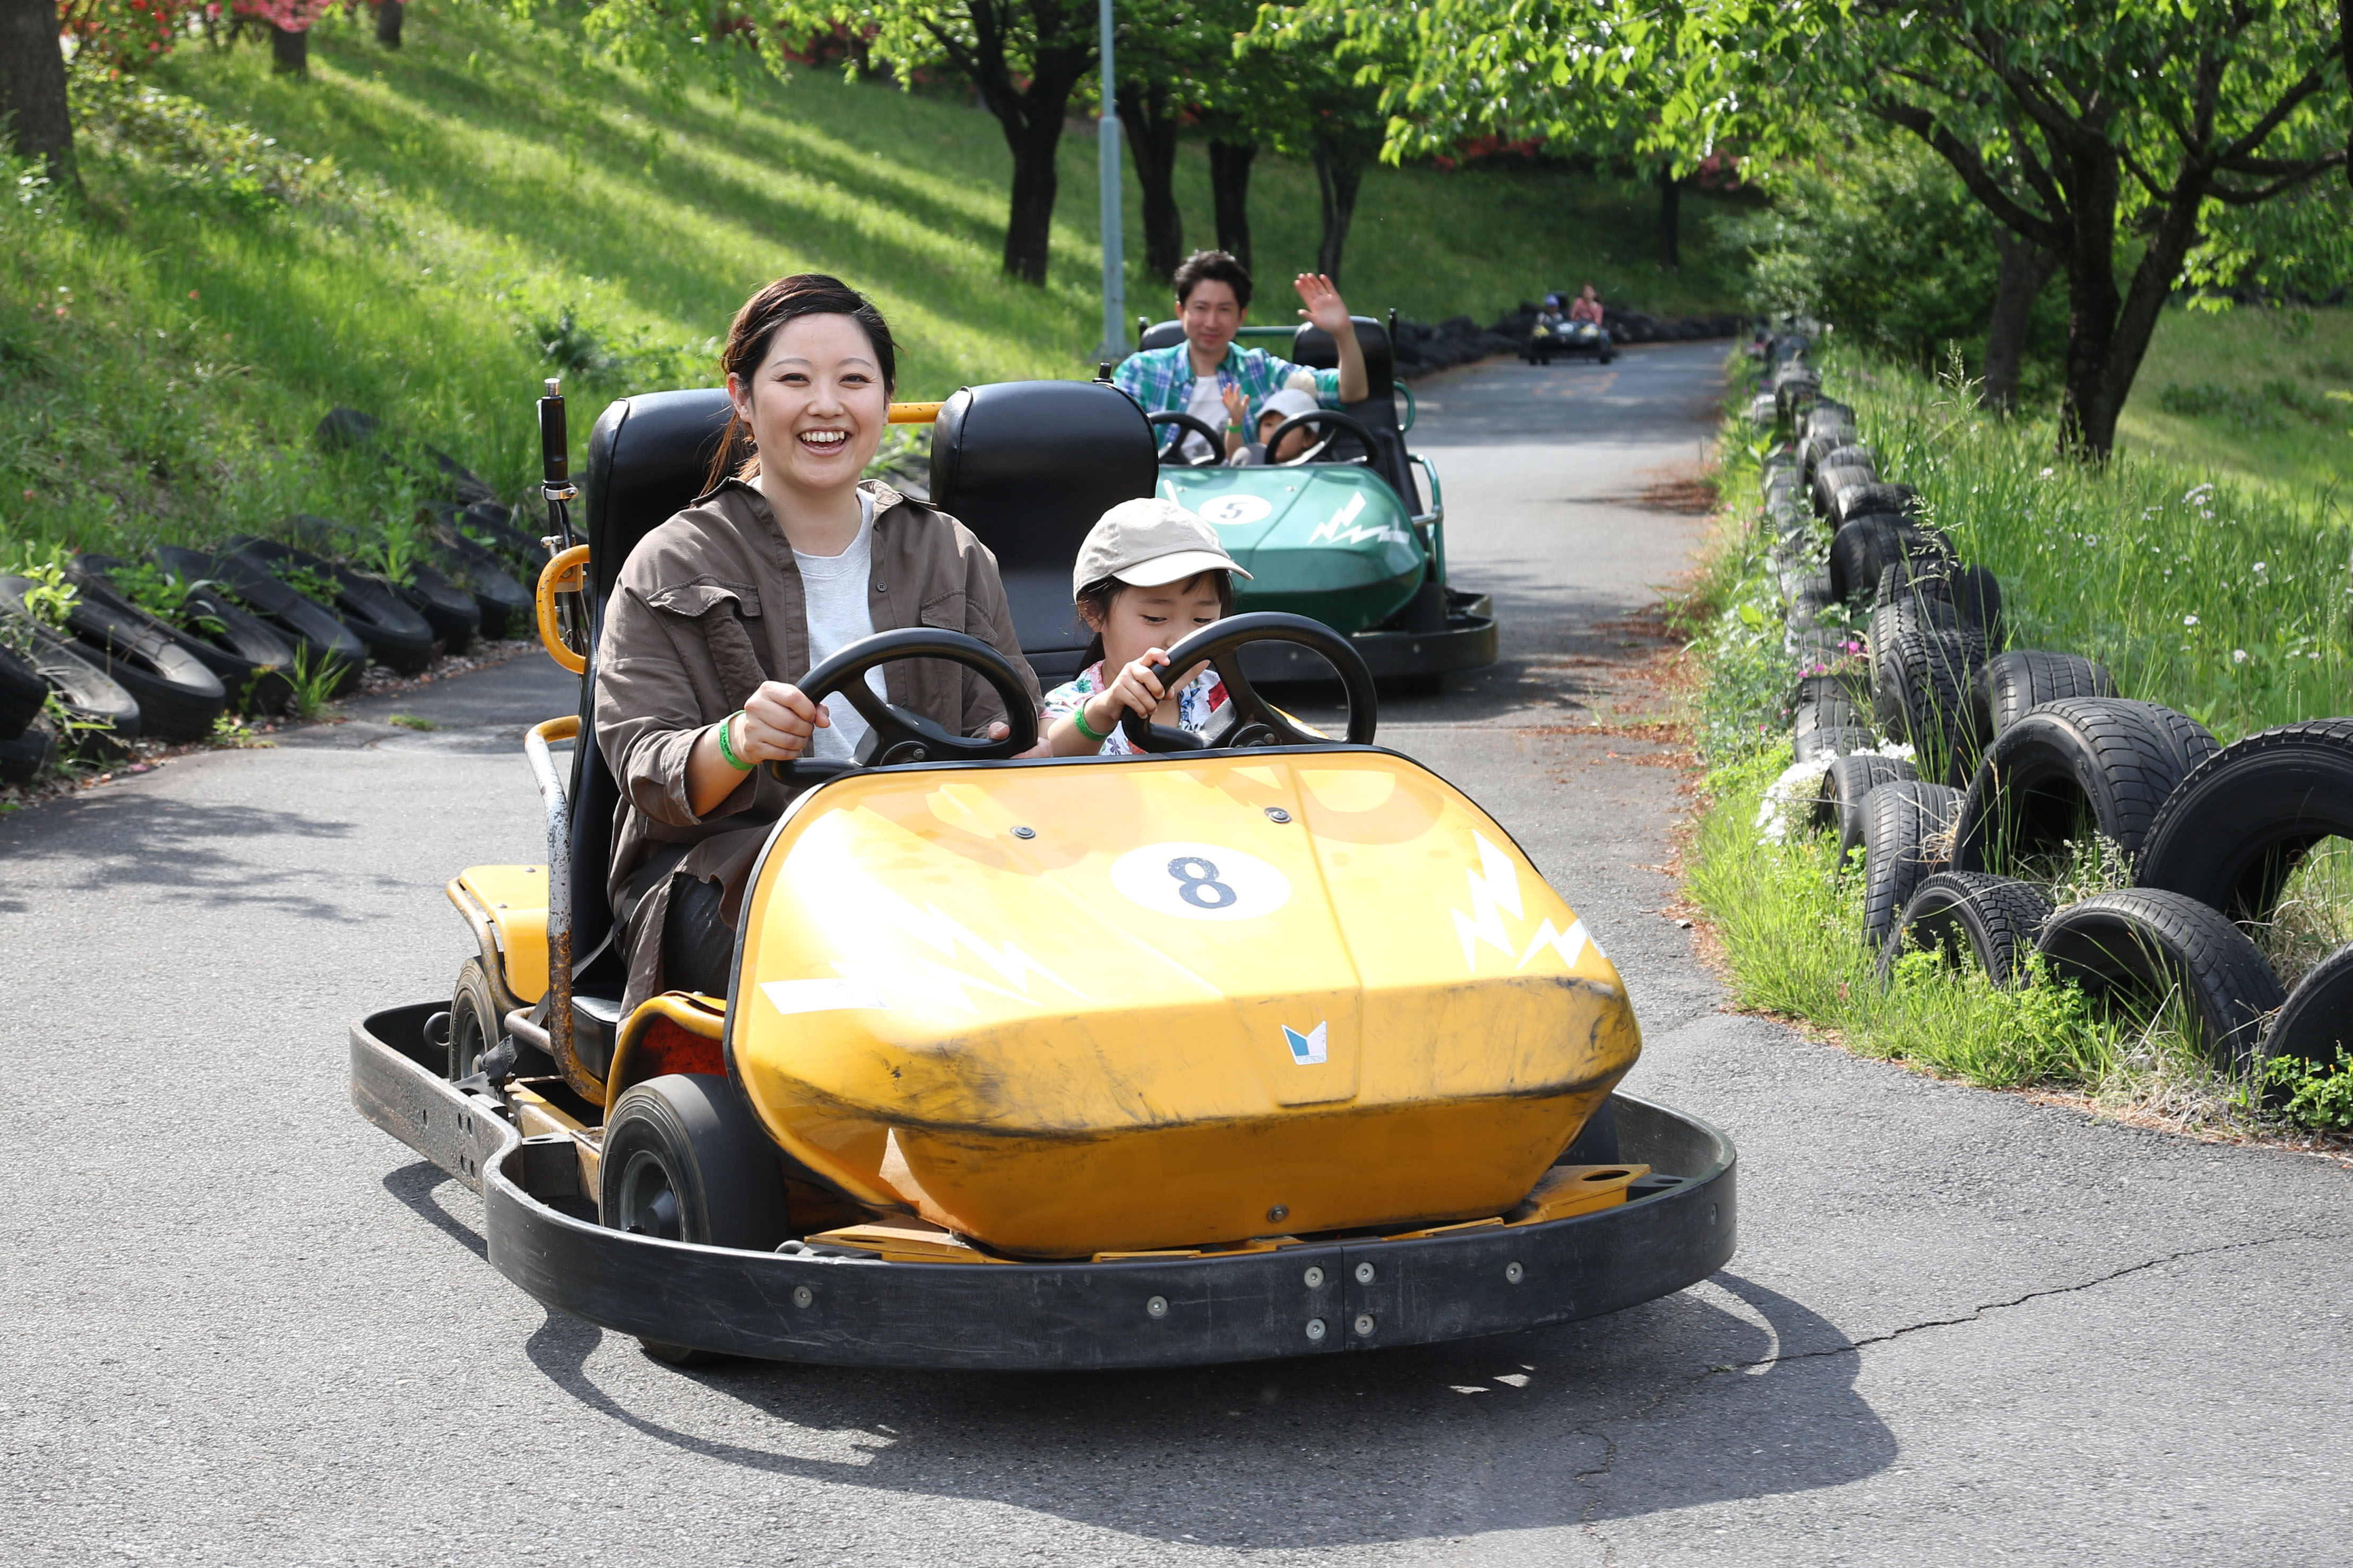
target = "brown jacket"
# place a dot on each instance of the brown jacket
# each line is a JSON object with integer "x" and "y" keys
{"x": 708, "y": 605}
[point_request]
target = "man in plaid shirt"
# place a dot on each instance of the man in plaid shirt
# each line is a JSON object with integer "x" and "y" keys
{"x": 1220, "y": 384}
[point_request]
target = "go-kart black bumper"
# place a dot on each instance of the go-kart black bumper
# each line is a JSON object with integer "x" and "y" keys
{"x": 1676, "y": 1228}
{"x": 1466, "y": 642}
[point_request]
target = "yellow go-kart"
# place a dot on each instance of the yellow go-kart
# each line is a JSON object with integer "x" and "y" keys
{"x": 1266, "y": 1044}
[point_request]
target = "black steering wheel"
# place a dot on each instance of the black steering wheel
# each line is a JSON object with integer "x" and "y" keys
{"x": 895, "y": 736}
{"x": 1341, "y": 424}
{"x": 1248, "y": 719}
{"x": 1173, "y": 454}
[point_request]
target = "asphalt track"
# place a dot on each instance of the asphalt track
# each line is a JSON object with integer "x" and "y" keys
{"x": 245, "y": 1327}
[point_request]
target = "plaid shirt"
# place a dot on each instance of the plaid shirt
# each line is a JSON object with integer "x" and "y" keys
{"x": 1162, "y": 379}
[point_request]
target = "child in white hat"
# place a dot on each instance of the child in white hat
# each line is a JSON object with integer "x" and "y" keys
{"x": 1149, "y": 574}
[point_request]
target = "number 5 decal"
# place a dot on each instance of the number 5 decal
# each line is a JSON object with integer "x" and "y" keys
{"x": 1200, "y": 881}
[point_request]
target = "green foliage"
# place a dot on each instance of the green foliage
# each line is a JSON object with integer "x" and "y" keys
{"x": 2267, "y": 407}
{"x": 313, "y": 683}
{"x": 161, "y": 594}
{"x": 49, "y": 594}
{"x": 2226, "y": 601}
{"x": 1883, "y": 244}
{"x": 2239, "y": 430}
{"x": 2316, "y": 1096}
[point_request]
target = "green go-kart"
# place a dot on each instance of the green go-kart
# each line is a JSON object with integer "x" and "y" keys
{"x": 1339, "y": 534}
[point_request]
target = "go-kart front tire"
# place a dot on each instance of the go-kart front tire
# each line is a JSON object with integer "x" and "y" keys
{"x": 685, "y": 1160}
{"x": 474, "y": 1022}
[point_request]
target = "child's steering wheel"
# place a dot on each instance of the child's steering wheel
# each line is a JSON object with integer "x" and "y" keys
{"x": 1335, "y": 424}
{"x": 896, "y": 736}
{"x": 1248, "y": 719}
{"x": 1173, "y": 455}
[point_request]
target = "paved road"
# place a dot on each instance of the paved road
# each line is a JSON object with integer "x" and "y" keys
{"x": 245, "y": 1327}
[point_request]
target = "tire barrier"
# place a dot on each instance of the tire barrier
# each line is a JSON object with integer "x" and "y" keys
{"x": 2034, "y": 748}
{"x": 31, "y": 752}
{"x": 396, "y": 634}
{"x": 2146, "y": 947}
{"x": 22, "y": 694}
{"x": 102, "y": 718}
{"x": 1995, "y": 920}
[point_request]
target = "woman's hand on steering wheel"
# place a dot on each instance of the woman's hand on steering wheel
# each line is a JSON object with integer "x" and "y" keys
{"x": 778, "y": 724}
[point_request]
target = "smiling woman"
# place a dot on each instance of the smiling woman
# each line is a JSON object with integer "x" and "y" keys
{"x": 783, "y": 562}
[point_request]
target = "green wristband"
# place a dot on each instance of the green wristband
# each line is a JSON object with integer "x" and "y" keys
{"x": 727, "y": 750}
{"x": 1079, "y": 717}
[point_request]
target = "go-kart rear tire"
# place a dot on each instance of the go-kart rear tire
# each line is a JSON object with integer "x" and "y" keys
{"x": 686, "y": 1160}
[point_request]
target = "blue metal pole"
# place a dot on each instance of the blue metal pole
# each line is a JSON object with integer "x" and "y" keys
{"x": 1114, "y": 260}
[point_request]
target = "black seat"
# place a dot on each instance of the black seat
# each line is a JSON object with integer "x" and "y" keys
{"x": 1160, "y": 335}
{"x": 1029, "y": 466}
{"x": 1312, "y": 345}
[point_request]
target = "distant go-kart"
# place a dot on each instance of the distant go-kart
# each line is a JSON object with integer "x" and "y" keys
{"x": 1337, "y": 533}
{"x": 1265, "y": 1044}
{"x": 1567, "y": 340}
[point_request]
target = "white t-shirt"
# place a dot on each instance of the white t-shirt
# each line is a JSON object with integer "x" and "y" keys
{"x": 1209, "y": 406}
{"x": 834, "y": 589}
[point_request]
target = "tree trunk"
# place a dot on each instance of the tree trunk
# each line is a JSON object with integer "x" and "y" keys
{"x": 289, "y": 52}
{"x": 32, "y": 87}
{"x": 1339, "y": 172}
{"x": 1670, "y": 221}
{"x": 2026, "y": 267}
{"x": 1029, "y": 225}
{"x": 2087, "y": 412}
{"x": 388, "y": 23}
{"x": 1150, "y": 121}
{"x": 1230, "y": 172}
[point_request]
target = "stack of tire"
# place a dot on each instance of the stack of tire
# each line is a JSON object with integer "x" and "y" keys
{"x": 2016, "y": 753}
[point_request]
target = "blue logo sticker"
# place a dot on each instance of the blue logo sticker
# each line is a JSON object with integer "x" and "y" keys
{"x": 1306, "y": 1049}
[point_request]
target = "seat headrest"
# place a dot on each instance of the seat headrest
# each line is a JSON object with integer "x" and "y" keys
{"x": 1029, "y": 466}
{"x": 1312, "y": 346}
{"x": 647, "y": 459}
{"x": 1162, "y": 335}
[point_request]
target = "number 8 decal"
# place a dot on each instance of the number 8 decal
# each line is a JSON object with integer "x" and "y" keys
{"x": 1200, "y": 881}
{"x": 1195, "y": 886}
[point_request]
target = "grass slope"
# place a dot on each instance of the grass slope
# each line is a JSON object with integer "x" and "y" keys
{"x": 391, "y": 233}
{"x": 2246, "y": 394}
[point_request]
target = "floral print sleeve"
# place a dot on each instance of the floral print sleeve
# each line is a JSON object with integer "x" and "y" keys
{"x": 1195, "y": 705}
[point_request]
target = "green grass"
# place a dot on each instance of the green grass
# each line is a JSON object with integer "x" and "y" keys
{"x": 2227, "y": 599}
{"x": 402, "y": 232}
{"x": 2245, "y": 394}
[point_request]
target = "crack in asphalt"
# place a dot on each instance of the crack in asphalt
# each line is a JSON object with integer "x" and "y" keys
{"x": 1592, "y": 1479}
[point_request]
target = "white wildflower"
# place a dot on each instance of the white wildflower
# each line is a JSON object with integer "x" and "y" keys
{"x": 2238, "y": 656}
{"x": 2190, "y": 620}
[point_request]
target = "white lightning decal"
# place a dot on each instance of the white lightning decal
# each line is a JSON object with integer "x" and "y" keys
{"x": 1494, "y": 886}
{"x": 1495, "y": 891}
{"x": 1337, "y": 527}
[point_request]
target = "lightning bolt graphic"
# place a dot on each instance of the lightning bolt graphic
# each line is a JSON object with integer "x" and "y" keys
{"x": 1495, "y": 886}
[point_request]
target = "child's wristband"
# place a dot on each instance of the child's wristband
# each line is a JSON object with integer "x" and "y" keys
{"x": 1079, "y": 717}
{"x": 727, "y": 750}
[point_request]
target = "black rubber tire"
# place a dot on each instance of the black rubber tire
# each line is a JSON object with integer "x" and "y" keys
{"x": 505, "y": 606}
{"x": 1920, "y": 675}
{"x": 1971, "y": 593}
{"x": 1810, "y": 606}
{"x": 1840, "y": 804}
{"x": 493, "y": 525}
{"x": 91, "y": 695}
{"x": 2316, "y": 1020}
{"x": 693, "y": 1137}
{"x": 2145, "y": 945}
{"x": 1870, "y": 496}
{"x": 313, "y": 632}
{"x": 1995, "y": 919}
{"x": 22, "y": 694}
{"x": 1833, "y": 744}
{"x": 1832, "y": 713}
{"x": 1901, "y": 824}
{"x": 30, "y": 753}
{"x": 2235, "y": 828}
{"x": 1830, "y": 480}
{"x": 448, "y": 608}
{"x": 2013, "y": 684}
{"x": 396, "y": 636}
{"x": 1858, "y": 552}
{"x": 2081, "y": 762}
{"x": 475, "y": 1026}
{"x": 1850, "y": 686}
{"x": 178, "y": 695}
{"x": 247, "y": 656}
